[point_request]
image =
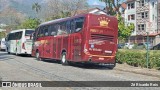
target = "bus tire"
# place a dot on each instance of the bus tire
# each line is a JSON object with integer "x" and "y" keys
{"x": 8, "y": 51}
{"x": 37, "y": 56}
{"x": 63, "y": 59}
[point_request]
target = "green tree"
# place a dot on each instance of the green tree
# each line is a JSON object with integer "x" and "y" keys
{"x": 2, "y": 34}
{"x": 36, "y": 7}
{"x": 30, "y": 23}
{"x": 124, "y": 30}
{"x": 112, "y": 6}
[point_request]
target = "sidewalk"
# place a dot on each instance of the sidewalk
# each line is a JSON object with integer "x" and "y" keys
{"x": 138, "y": 70}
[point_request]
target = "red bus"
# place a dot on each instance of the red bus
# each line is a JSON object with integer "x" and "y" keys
{"x": 83, "y": 38}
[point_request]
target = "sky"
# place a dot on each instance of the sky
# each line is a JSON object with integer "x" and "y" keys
{"x": 95, "y": 2}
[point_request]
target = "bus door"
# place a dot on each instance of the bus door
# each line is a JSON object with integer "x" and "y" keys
{"x": 57, "y": 46}
{"x": 61, "y": 40}
{"x": 40, "y": 41}
{"x": 48, "y": 43}
{"x": 77, "y": 47}
{"x": 76, "y": 27}
{"x": 53, "y": 41}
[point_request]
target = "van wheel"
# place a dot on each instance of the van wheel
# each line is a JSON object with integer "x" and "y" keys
{"x": 8, "y": 51}
{"x": 37, "y": 56}
{"x": 63, "y": 59}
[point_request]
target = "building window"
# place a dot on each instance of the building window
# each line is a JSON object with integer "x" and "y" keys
{"x": 142, "y": 14}
{"x": 146, "y": 14}
{"x": 141, "y": 27}
{"x": 132, "y": 17}
{"x": 132, "y": 5}
{"x": 128, "y": 17}
{"x": 153, "y": 4}
{"x": 153, "y": 17}
{"x": 141, "y": 3}
{"x": 129, "y": 5}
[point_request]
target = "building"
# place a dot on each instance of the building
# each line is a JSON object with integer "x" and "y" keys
{"x": 130, "y": 14}
{"x": 144, "y": 15}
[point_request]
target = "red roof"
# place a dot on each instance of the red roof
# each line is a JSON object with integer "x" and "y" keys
{"x": 130, "y": 1}
{"x": 123, "y": 5}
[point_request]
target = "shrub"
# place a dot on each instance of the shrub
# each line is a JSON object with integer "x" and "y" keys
{"x": 138, "y": 58}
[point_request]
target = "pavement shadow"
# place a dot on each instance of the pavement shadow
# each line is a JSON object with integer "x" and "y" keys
{"x": 4, "y": 58}
{"x": 4, "y": 53}
{"x": 52, "y": 61}
{"x": 80, "y": 65}
{"x": 25, "y": 55}
{"x": 90, "y": 66}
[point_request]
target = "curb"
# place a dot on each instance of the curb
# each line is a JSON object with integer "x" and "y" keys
{"x": 138, "y": 72}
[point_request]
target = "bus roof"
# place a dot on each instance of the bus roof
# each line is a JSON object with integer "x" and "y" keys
{"x": 48, "y": 22}
{"x": 61, "y": 19}
{"x": 13, "y": 31}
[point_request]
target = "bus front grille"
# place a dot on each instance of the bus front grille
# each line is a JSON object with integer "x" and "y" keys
{"x": 102, "y": 37}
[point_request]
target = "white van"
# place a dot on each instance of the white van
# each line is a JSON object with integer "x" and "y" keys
{"x": 2, "y": 44}
{"x": 19, "y": 42}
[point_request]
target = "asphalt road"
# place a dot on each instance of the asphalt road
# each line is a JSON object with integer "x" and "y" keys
{"x": 25, "y": 68}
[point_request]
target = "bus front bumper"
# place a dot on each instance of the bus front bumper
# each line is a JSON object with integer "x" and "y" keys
{"x": 26, "y": 52}
{"x": 100, "y": 59}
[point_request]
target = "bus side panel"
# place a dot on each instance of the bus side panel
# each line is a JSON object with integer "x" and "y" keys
{"x": 76, "y": 47}
{"x": 54, "y": 40}
{"x": 66, "y": 42}
{"x": 41, "y": 42}
{"x": 70, "y": 48}
{"x": 58, "y": 46}
{"x": 47, "y": 49}
{"x": 13, "y": 46}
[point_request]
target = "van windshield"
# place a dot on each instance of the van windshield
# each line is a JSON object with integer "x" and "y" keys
{"x": 28, "y": 32}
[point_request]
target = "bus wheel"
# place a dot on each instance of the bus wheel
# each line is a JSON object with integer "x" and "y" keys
{"x": 63, "y": 59}
{"x": 8, "y": 52}
{"x": 37, "y": 56}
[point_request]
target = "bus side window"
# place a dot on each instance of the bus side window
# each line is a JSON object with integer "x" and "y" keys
{"x": 52, "y": 30}
{"x": 79, "y": 23}
{"x": 18, "y": 35}
{"x": 12, "y": 36}
{"x": 72, "y": 26}
{"x": 35, "y": 34}
{"x": 45, "y": 29}
{"x": 40, "y": 32}
{"x": 62, "y": 29}
{"x": 68, "y": 26}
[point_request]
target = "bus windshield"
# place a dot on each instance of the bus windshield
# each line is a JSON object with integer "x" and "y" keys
{"x": 28, "y": 32}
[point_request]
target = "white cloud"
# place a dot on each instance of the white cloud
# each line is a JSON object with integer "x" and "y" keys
{"x": 96, "y": 3}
